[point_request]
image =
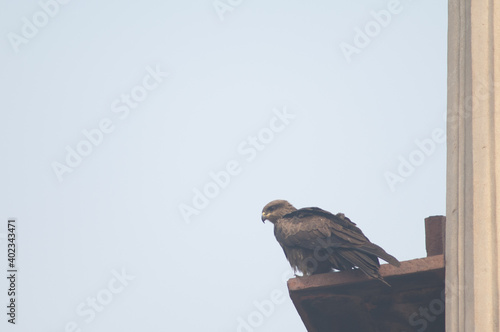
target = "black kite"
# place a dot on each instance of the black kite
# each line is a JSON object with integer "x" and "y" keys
{"x": 317, "y": 241}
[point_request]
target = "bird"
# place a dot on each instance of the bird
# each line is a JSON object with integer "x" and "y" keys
{"x": 316, "y": 241}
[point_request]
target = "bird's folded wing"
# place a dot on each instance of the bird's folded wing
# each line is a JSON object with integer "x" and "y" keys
{"x": 314, "y": 229}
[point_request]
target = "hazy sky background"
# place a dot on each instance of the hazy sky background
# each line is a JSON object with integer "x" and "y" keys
{"x": 110, "y": 227}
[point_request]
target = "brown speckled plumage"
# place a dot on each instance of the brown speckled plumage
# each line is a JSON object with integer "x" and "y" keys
{"x": 317, "y": 241}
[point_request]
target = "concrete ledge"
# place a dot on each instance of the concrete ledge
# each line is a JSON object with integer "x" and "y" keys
{"x": 349, "y": 301}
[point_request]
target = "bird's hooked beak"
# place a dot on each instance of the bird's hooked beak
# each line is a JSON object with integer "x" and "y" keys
{"x": 264, "y": 217}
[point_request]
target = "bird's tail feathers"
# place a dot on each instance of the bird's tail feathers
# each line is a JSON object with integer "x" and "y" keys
{"x": 373, "y": 249}
{"x": 369, "y": 265}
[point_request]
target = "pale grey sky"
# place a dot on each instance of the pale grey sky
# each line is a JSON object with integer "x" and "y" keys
{"x": 140, "y": 141}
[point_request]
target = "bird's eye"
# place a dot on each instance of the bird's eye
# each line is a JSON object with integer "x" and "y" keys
{"x": 271, "y": 208}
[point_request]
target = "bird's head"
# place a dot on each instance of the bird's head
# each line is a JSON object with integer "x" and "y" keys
{"x": 274, "y": 210}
